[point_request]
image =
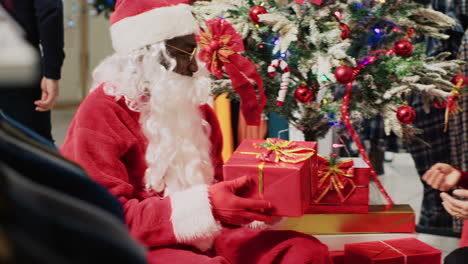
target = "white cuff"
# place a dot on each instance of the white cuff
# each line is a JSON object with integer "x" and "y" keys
{"x": 264, "y": 226}
{"x": 135, "y": 32}
{"x": 192, "y": 219}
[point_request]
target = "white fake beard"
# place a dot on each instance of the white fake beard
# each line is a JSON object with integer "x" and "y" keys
{"x": 178, "y": 153}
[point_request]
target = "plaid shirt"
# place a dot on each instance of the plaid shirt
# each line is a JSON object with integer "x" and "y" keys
{"x": 432, "y": 212}
{"x": 458, "y": 125}
{"x": 458, "y": 10}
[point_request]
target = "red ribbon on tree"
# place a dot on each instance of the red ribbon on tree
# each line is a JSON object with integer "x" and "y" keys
{"x": 317, "y": 2}
{"x": 347, "y": 121}
{"x": 375, "y": 55}
{"x": 219, "y": 45}
{"x": 452, "y": 103}
{"x": 362, "y": 151}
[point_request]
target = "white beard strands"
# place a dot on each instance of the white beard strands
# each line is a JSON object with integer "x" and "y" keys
{"x": 178, "y": 153}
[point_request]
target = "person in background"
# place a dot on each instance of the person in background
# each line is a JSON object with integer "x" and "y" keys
{"x": 146, "y": 133}
{"x": 42, "y": 21}
{"x": 444, "y": 177}
{"x": 439, "y": 146}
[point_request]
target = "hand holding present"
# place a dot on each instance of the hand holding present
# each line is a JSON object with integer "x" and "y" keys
{"x": 232, "y": 209}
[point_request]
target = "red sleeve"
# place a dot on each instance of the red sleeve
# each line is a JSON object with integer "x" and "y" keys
{"x": 98, "y": 143}
{"x": 216, "y": 138}
{"x": 464, "y": 179}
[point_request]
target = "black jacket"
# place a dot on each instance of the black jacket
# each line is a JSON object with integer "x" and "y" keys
{"x": 42, "y": 21}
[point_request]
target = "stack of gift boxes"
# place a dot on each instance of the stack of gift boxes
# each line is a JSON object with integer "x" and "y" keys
{"x": 329, "y": 198}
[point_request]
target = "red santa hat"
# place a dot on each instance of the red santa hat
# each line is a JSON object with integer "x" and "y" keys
{"x": 137, "y": 23}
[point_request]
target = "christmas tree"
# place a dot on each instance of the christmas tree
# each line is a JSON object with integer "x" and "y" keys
{"x": 325, "y": 44}
{"x": 105, "y": 7}
{"x": 321, "y": 50}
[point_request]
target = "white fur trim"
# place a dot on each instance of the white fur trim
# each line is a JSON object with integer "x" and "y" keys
{"x": 192, "y": 220}
{"x": 153, "y": 26}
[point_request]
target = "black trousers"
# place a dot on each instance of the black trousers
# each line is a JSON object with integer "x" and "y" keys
{"x": 458, "y": 256}
{"x": 18, "y": 103}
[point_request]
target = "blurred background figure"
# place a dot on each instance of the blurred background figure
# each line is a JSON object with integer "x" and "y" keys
{"x": 42, "y": 22}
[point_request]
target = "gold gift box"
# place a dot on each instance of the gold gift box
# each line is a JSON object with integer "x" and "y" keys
{"x": 399, "y": 219}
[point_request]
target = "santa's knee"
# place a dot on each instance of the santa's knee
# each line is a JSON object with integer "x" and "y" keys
{"x": 304, "y": 250}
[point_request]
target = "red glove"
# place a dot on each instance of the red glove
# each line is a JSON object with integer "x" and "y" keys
{"x": 229, "y": 208}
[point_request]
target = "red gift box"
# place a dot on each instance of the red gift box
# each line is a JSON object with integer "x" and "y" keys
{"x": 283, "y": 171}
{"x": 395, "y": 251}
{"x": 344, "y": 188}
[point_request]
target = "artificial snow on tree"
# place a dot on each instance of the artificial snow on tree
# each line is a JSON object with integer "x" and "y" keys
{"x": 374, "y": 40}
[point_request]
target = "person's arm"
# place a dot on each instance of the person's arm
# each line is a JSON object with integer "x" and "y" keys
{"x": 442, "y": 176}
{"x": 49, "y": 17}
{"x": 49, "y": 20}
{"x": 216, "y": 139}
{"x": 98, "y": 142}
{"x": 463, "y": 179}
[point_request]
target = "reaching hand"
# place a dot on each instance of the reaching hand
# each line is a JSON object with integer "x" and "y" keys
{"x": 50, "y": 91}
{"x": 232, "y": 209}
{"x": 442, "y": 176}
{"x": 455, "y": 207}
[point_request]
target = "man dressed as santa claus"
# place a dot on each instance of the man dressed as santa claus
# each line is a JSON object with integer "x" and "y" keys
{"x": 146, "y": 133}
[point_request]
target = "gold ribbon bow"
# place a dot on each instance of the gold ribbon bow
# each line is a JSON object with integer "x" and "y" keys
{"x": 215, "y": 52}
{"x": 283, "y": 150}
{"x": 276, "y": 150}
{"x": 332, "y": 174}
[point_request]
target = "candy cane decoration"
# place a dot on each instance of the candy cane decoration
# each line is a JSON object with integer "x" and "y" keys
{"x": 285, "y": 77}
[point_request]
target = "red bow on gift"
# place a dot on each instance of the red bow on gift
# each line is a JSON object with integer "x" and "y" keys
{"x": 317, "y": 2}
{"x": 334, "y": 176}
{"x": 220, "y": 44}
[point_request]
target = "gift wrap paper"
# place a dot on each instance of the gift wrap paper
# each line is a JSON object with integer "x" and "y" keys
{"x": 357, "y": 201}
{"x": 288, "y": 186}
{"x": 399, "y": 219}
{"x": 395, "y": 251}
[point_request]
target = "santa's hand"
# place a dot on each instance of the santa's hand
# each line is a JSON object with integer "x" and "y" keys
{"x": 455, "y": 207}
{"x": 442, "y": 176}
{"x": 232, "y": 209}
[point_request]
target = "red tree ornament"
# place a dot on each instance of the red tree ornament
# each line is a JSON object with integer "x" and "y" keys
{"x": 439, "y": 104}
{"x": 459, "y": 77}
{"x": 303, "y": 94}
{"x": 406, "y": 114}
{"x": 344, "y": 31}
{"x": 255, "y": 11}
{"x": 403, "y": 48}
{"x": 344, "y": 74}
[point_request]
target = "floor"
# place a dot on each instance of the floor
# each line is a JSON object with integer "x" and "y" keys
{"x": 400, "y": 180}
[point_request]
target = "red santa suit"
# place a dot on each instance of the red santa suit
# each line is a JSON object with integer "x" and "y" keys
{"x": 105, "y": 137}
